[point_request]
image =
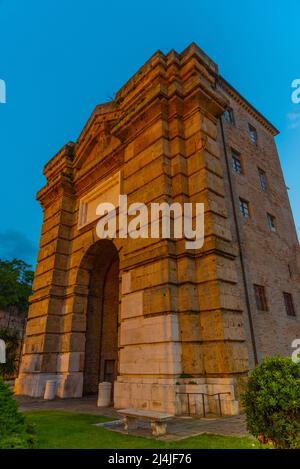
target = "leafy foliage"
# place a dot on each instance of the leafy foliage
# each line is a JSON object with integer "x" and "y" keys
{"x": 11, "y": 339}
{"x": 272, "y": 402}
{"x": 14, "y": 429}
{"x": 16, "y": 279}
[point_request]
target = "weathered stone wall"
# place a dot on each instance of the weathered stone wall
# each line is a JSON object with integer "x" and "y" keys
{"x": 13, "y": 321}
{"x": 271, "y": 259}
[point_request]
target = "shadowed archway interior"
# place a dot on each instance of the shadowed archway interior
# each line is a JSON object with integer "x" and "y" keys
{"x": 101, "y": 345}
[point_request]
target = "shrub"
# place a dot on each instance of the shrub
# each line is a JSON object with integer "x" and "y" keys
{"x": 272, "y": 402}
{"x": 14, "y": 430}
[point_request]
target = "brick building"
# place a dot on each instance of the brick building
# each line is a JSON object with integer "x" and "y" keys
{"x": 149, "y": 315}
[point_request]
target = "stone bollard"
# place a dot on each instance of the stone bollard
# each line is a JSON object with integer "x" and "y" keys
{"x": 104, "y": 394}
{"x": 50, "y": 389}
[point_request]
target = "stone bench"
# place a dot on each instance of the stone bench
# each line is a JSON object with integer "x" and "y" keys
{"x": 135, "y": 418}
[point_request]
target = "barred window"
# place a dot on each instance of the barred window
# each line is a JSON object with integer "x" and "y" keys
{"x": 244, "y": 208}
{"x": 260, "y": 298}
{"x": 262, "y": 179}
{"x": 289, "y": 304}
{"x": 229, "y": 115}
{"x": 236, "y": 162}
{"x": 252, "y": 133}
{"x": 271, "y": 222}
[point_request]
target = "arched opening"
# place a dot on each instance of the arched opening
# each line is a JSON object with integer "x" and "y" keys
{"x": 101, "y": 345}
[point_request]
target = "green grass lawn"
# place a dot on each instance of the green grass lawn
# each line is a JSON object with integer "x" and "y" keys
{"x": 59, "y": 429}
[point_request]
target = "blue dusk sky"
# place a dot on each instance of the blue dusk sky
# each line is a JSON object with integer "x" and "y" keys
{"x": 59, "y": 58}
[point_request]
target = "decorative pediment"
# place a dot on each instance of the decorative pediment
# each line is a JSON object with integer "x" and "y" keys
{"x": 96, "y": 140}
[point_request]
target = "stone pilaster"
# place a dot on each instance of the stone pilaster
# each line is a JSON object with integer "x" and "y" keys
{"x": 47, "y": 308}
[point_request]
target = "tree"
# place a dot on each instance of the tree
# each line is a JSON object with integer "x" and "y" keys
{"x": 14, "y": 429}
{"x": 16, "y": 279}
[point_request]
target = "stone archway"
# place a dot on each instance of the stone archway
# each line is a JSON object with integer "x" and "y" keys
{"x": 101, "y": 344}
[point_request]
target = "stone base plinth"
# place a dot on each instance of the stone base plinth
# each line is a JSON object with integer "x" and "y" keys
{"x": 145, "y": 393}
{"x": 33, "y": 384}
{"x": 177, "y": 396}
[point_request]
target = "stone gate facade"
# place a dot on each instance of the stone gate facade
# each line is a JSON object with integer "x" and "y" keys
{"x": 154, "y": 318}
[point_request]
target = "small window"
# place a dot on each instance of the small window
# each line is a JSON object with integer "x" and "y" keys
{"x": 236, "y": 162}
{"x": 244, "y": 208}
{"x": 229, "y": 116}
{"x": 289, "y": 304}
{"x": 252, "y": 134}
{"x": 260, "y": 298}
{"x": 271, "y": 222}
{"x": 262, "y": 179}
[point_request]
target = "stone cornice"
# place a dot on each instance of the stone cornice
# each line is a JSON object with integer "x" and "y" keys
{"x": 96, "y": 172}
{"x": 231, "y": 91}
{"x": 62, "y": 182}
{"x": 60, "y": 160}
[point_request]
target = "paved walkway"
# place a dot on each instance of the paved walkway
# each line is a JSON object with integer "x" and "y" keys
{"x": 184, "y": 427}
{"x": 179, "y": 427}
{"x": 84, "y": 405}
